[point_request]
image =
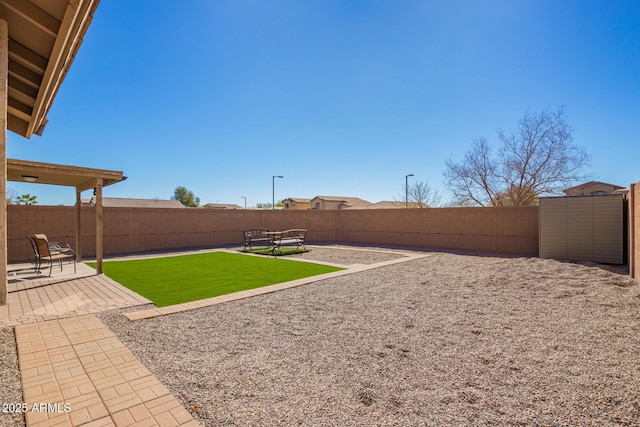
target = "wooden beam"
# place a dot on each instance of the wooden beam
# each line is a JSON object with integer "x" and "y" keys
{"x": 22, "y": 92}
{"x": 68, "y": 36}
{"x": 81, "y": 178}
{"x": 17, "y": 125}
{"x": 18, "y": 108}
{"x": 25, "y": 75}
{"x": 87, "y": 185}
{"x": 4, "y": 85}
{"x": 78, "y": 226}
{"x": 26, "y": 57}
{"x": 35, "y": 16}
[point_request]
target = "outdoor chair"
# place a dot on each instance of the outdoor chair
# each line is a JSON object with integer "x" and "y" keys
{"x": 34, "y": 246}
{"x": 62, "y": 248}
{"x": 50, "y": 252}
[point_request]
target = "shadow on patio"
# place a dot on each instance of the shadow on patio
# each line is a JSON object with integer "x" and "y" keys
{"x": 35, "y": 297}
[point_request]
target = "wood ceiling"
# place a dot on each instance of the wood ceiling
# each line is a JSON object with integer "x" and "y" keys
{"x": 44, "y": 37}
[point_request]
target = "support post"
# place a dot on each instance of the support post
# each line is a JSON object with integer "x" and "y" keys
{"x": 4, "y": 76}
{"x": 78, "y": 226}
{"x": 631, "y": 224}
{"x": 99, "y": 227}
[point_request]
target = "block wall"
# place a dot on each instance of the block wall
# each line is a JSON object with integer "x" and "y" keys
{"x": 57, "y": 222}
{"x": 129, "y": 230}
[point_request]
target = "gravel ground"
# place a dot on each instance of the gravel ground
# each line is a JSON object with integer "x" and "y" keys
{"x": 450, "y": 339}
{"x": 348, "y": 255}
{"x": 10, "y": 389}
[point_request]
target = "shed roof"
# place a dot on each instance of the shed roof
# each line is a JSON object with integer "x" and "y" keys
{"x": 44, "y": 37}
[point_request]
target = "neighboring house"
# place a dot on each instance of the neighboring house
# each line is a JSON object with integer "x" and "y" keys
{"x": 592, "y": 188}
{"x": 296, "y": 204}
{"x": 338, "y": 203}
{"x": 118, "y": 202}
{"x": 221, "y": 206}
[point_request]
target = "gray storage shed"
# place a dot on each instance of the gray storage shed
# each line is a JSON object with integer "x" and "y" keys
{"x": 583, "y": 228}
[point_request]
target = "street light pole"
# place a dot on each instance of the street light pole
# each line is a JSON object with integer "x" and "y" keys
{"x": 406, "y": 190}
{"x": 273, "y": 190}
{"x": 245, "y": 201}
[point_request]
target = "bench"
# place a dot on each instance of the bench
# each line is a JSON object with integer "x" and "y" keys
{"x": 291, "y": 237}
{"x": 256, "y": 237}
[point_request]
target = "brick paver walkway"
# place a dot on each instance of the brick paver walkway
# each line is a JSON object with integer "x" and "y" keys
{"x": 75, "y": 372}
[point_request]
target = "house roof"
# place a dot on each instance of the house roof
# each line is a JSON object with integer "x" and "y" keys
{"x": 298, "y": 199}
{"x": 44, "y": 37}
{"x": 352, "y": 201}
{"x": 589, "y": 184}
{"x": 118, "y": 202}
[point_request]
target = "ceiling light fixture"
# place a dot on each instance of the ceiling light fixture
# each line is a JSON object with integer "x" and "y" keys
{"x": 30, "y": 178}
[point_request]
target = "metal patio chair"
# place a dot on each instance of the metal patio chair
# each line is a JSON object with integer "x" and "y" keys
{"x": 52, "y": 252}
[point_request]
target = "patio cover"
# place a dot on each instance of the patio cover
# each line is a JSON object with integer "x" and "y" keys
{"x": 48, "y": 173}
{"x": 72, "y": 176}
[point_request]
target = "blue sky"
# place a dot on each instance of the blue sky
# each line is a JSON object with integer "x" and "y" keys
{"x": 341, "y": 97}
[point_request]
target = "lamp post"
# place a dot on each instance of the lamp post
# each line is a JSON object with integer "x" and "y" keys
{"x": 273, "y": 191}
{"x": 406, "y": 190}
{"x": 245, "y": 201}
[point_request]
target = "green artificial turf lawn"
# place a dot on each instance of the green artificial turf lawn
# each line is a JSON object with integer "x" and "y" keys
{"x": 174, "y": 280}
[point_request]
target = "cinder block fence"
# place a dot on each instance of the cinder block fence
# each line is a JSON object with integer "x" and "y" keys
{"x": 130, "y": 230}
{"x": 512, "y": 230}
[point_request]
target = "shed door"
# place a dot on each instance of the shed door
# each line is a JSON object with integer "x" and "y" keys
{"x": 553, "y": 228}
{"x": 589, "y": 228}
{"x": 608, "y": 230}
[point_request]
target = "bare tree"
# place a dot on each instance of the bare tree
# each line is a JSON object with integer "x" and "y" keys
{"x": 539, "y": 159}
{"x": 11, "y": 195}
{"x": 459, "y": 203}
{"x": 421, "y": 194}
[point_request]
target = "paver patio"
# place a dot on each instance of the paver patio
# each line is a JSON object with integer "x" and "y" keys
{"x": 35, "y": 298}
